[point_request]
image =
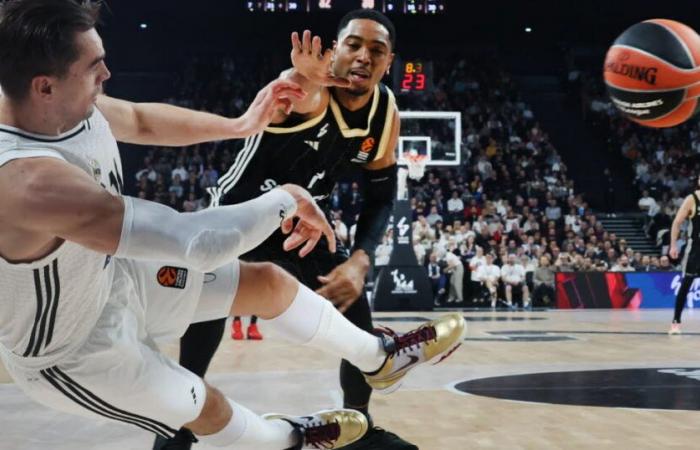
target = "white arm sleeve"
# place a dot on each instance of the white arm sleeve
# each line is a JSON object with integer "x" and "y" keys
{"x": 204, "y": 240}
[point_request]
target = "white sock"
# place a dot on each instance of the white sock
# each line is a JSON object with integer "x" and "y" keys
{"x": 249, "y": 431}
{"x": 312, "y": 320}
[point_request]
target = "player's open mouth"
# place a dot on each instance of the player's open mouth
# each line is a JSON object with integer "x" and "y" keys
{"x": 359, "y": 75}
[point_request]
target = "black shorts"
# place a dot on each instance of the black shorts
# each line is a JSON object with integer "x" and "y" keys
{"x": 319, "y": 262}
{"x": 691, "y": 262}
{"x": 517, "y": 289}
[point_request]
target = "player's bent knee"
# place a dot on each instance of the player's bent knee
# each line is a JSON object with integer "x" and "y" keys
{"x": 271, "y": 284}
{"x": 215, "y": 414}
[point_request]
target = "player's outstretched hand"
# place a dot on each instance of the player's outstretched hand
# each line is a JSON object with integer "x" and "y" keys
{"x": 311, "y": 224}
{"x": 309, "y": 59}
{"x": 274, "y": 97}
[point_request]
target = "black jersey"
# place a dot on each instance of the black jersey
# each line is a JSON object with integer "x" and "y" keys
{"x": 694, "y": 225}
{"x": 691, "y": 258}
{"x": 313, "y": 153}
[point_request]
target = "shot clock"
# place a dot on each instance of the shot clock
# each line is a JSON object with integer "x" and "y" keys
{"x": 413, "y": 76}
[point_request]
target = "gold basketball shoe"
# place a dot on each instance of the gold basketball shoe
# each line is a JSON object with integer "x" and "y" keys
{"x": 432, "y": 342}
{"x": 327, "y": 429}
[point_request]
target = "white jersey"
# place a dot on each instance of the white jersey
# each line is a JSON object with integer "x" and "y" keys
{"x": 49, "y": 306}
{"x": 513, "y": 274}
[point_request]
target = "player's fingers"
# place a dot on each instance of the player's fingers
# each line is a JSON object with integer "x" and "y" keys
{"x": 310, "y": 244}
{"x": 306, "y": 42}
{"x": 296, "y": 42}
{"x": 339, "y": 81}
{"x": 287, "y": 226}
{"x": 330, "y": 235}
{"x": 316, "y": 46}
{"x": 278, "y": 86}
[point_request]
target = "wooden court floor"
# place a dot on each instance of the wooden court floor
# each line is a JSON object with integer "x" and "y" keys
{"x": 586, "y": 356}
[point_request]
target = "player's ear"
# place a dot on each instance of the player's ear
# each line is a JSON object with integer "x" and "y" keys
{"x": 391, "y": 61}
{"x": 335, "y": 49}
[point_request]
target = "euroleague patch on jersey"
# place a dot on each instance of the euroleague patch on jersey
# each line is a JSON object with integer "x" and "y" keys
{"x": 172, "y": 277}
{"x": 365, "y": 149}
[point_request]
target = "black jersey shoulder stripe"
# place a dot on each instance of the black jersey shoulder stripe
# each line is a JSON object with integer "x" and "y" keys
{"x": 38, "y": 139}
{"x": 216, "y": 192}
{"x": 85, "y": 398}
{"x": 387, "y": 130}
{"x": 302, "y": 126}
{"x": 234, "y": 174}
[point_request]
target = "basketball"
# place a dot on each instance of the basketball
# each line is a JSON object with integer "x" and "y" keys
{"x": 651, "y": 73}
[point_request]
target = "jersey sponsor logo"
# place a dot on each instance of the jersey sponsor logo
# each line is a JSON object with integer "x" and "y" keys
{"x": 268, "y": 185}
{"x": 322, "y": 132}
{"x": 319, "y": 176}
{"x": 312, "y": 144}
{"x": 95, "y": 168}
{"x": 172, "y": 277}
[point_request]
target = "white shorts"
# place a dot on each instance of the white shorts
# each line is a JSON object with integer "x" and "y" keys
{"x": 119, "y": 373}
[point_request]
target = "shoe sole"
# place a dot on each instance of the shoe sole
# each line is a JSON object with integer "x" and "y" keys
{"x": 440, "y": 357}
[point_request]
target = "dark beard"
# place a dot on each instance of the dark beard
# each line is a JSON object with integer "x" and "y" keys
{"x": 357, "y": 92}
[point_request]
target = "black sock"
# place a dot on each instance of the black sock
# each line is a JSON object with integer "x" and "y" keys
{"x": 198, "y": 345}
{"x": 356, "y": 391}
{"x": 253, "y": 320}
{"x": 682, "y": 297}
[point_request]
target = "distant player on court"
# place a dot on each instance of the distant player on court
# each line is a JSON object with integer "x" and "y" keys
{"x": 689, "y": 210}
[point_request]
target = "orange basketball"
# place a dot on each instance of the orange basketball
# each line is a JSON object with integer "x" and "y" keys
{"x": 652, "y": 72}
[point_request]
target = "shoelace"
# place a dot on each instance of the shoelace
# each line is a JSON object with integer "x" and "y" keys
{"x": 412, "y": 339}
{"x": 321, "y": 436}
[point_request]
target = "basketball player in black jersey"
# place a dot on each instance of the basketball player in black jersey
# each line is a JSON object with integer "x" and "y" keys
{"x": 690, "y": 210}
{"x": 348, "y": 123}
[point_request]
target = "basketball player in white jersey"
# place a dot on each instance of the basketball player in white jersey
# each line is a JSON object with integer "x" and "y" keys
{"x": 91, "y": 279}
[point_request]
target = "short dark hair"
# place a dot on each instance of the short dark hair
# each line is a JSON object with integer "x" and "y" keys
{"x": 371, "y": 15}
{"x": 37, "y": 37}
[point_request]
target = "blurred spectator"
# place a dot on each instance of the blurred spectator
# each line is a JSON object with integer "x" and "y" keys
{"x": 543, "y": 280}
{"x": 456, "y": 270}
{"x": 513, "y": 277}
{"x": 622, "y": 265}
{"x": 489, "y": 275}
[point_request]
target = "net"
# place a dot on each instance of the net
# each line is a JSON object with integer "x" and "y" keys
{"x": 416, "y": 165}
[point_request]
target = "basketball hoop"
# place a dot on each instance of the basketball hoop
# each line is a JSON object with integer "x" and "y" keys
{"x": 416, "y": 165}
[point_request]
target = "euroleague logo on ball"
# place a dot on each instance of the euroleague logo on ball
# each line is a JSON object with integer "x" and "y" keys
{"x": 640, "y": 73}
